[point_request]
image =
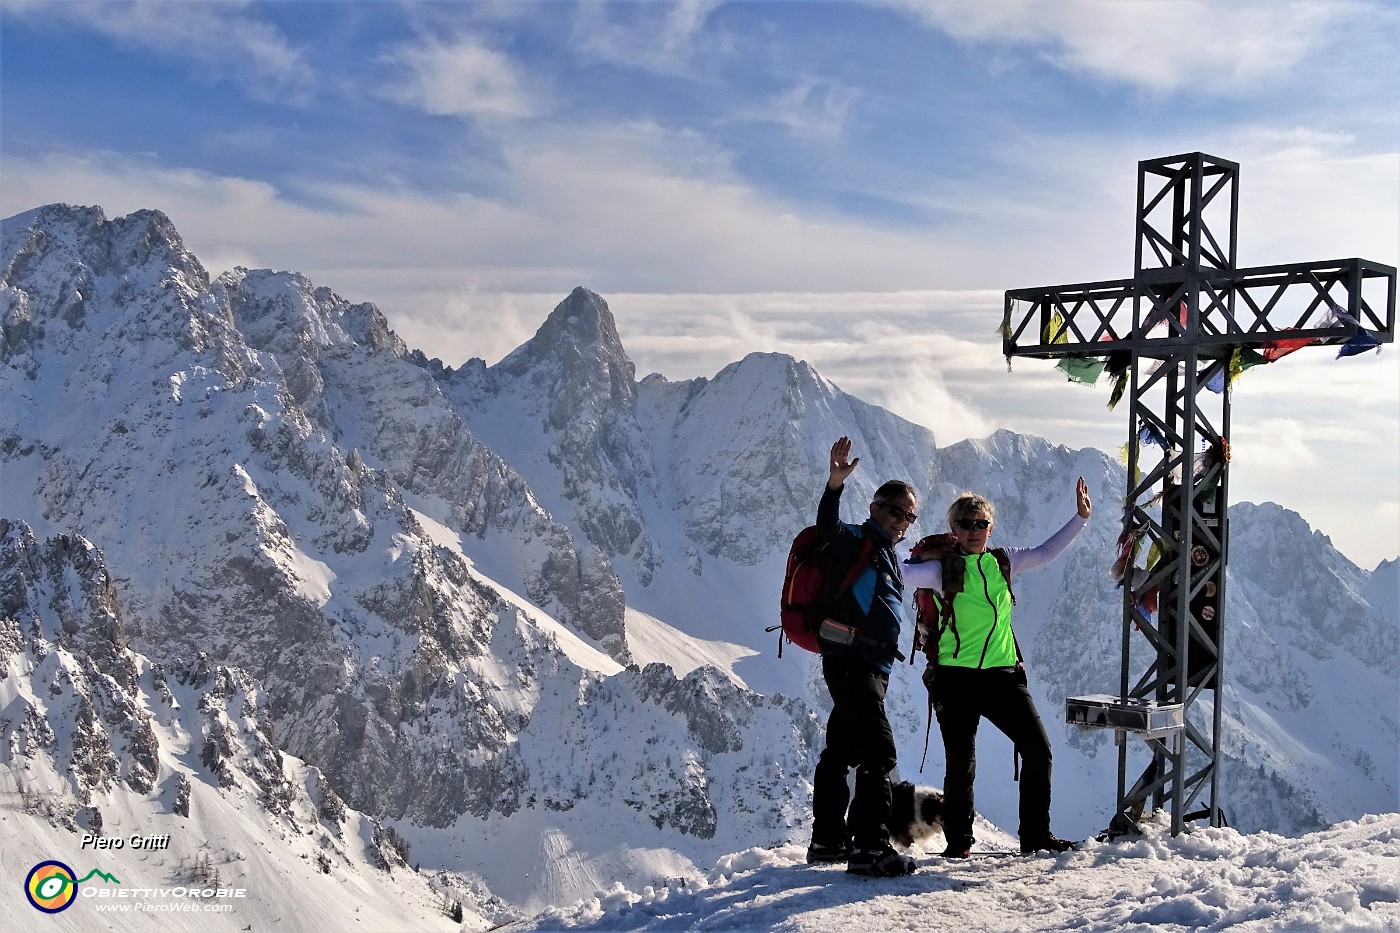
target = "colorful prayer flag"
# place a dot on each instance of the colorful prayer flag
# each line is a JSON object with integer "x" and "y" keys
{"x": 1363, "y": 341}
{"x": 1242, "y": 359}
{"x": 1276, "y": 350}
{"x": 1118, "y": 383}
{"x": 1150, "y": 434}
{"x": 1128, "y": 543}
{"x": 1081, "y": 369}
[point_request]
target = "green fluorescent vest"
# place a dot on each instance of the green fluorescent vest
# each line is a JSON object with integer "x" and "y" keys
{"x": 982, "y": 619}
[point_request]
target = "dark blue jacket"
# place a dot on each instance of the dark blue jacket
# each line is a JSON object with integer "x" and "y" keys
{"x": 874, "y": 605}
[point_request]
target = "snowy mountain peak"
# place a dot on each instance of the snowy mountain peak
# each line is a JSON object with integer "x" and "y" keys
{"x": 769, "y": 371}
{"x": 571, "y": 397}
{"x": 1383, "y": 590}
{"x": 68, "y": 276}
{"x": 57, "y": 235}
{"x": 582, "y": 334}
{"x": 285, "y": 311}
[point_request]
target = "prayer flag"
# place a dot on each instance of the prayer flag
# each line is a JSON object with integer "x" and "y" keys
{"x": 1117, "y": 368}
{"x": 1128, "y": 543}
{"x": 1119, "y": 384}
{"x": 1081, "y": 369}
{"x": 1242, "y": 359}
{"x": 1149, "y": 434}
{"x": 1276, "y": 350}
{"x": 1363, "y": 341}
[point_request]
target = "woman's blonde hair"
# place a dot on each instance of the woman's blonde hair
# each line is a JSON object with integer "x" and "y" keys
{"x": 968, "y": 503}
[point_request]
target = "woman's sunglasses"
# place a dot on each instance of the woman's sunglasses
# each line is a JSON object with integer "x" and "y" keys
{"x": 967, "y": 524}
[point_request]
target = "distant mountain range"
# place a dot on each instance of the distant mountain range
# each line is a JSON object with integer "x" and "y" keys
{"x": 512, "y": 616}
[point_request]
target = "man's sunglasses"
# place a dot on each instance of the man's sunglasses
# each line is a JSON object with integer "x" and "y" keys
{"x": 967, "y": 524}
{"x": 910, "y": 517}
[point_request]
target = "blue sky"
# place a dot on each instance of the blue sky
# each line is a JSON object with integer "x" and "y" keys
{"x": 851, "y": 183}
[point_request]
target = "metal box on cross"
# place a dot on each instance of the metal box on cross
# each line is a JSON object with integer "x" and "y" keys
{"x": 1173, "y": 337}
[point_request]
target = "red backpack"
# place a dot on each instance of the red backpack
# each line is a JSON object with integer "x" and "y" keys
{"x": 810, "y": 586}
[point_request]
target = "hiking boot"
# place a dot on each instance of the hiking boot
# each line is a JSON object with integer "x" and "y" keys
{"x": 818, "y": 854}
{"x": 880, "y": 862}
{"x": 957, "y": 851}
{"x": 1047, "y": 843}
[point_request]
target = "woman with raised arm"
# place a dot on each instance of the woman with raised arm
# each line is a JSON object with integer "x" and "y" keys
{"x": 975, "y": 669}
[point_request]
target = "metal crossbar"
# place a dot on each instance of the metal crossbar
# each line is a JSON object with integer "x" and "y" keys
{"x": 1097, "y": 318}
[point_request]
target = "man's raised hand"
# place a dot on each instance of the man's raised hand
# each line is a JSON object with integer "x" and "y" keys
{"x": 841, "y": 463}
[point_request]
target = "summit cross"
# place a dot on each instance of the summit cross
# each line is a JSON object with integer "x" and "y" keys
{"x": 1175, "y": 335}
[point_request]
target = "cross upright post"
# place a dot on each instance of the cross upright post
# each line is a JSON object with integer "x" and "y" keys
{"x": 1174, "y": 336}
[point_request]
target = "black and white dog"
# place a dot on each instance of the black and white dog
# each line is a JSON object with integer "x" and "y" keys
{"x": 916, "y": 813}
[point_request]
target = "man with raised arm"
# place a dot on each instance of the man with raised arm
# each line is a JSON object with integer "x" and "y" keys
{"x": 858, "y": 646}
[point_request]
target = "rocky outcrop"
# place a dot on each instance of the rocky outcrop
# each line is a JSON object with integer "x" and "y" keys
{"x": 90, "y": 702}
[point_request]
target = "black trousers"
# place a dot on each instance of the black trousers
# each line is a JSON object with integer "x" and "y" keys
{"x": 858, "y": 736}
{"x": 1001, "y": 696}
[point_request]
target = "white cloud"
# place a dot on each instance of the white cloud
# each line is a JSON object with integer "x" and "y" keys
{"x": 658, "y": 37}
{"x": 632, "y": 207}
{"x": 812, "y": 108}
{"x": 1221, "y": 45}
{"x": 1295, "y": 198}
{"x": 460, "y": 78}
{"x": 214, "y": 36}
{"x": 1276, "y": 445}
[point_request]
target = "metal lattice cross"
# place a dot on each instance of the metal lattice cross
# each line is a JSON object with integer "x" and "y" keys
{"x": 1177, "y": 332}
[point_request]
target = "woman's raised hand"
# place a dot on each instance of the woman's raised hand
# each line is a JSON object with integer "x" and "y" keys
{"x": 1081, "y": 495}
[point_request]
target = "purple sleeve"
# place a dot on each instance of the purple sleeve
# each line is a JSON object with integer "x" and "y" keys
{"x": 927, "y": 575}
{"x": 1033, "y": 558}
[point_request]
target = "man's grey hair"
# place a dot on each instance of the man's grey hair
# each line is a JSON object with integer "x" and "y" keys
{"x": 895, "y": 489}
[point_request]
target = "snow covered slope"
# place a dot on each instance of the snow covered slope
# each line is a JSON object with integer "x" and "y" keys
{"x": 1346, "y": 877}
